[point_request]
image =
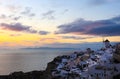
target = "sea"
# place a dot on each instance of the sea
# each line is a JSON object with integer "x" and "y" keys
{"x": 30, "y": 59}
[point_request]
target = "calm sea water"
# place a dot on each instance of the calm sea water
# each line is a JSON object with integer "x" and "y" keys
{"x": 27, "y": 60}
{"x": 31, "y": 59}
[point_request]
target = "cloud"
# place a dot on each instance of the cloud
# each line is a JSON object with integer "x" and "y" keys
{"x": 76, "y": 26}
{"x": 49, "y": 15}
{"x": 13, "y": 8}
{"x": 43, "y": 32}
{"x": 71, "y": 37}
{"x": 14, "y": 35}
{"x": 16, "y": 18}
{"x": 32, "y": 14}
{"x": 111, "y": 30}
{"x": 108, "y": 27}
{"x": 11, "y": 17}
{"x": 17, "y": 27}
{"x": 101, "y": 2}
{"x": 21, "y": 28}
{"x": 17, "y": 13}
{"x": 27, "y": 11}
{"x": 65, "y": 11}
{"x": 75, "y": 37}
{"x": 47, "y": 39}
{"x": 116, "y": 19}
{"x": 98, "y": 2}
{"x": 3, "y": 16}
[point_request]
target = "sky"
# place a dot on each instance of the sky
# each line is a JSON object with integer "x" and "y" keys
{"x": 38, "y": 23}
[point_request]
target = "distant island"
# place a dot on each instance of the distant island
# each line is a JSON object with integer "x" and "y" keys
{"x": 48, "y": 48}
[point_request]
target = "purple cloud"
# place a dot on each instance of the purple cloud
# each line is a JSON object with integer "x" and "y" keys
{"x": 109, "y": 27}
{"x": 43, "y": 32}
{"x": 75, "y": 37}
{"x": 49, "y": 15}
{"x": 11, "y": 17}
{"x": 98, "y": 2}
{"x": 17, "y": 27}
{"x": 21, "y": 28}
{"x": 111, "y": 30}
{"x": 16, "y": 18}
{"x": 28, "y": 12}
{"x": 71, "y": 37}
{"x": 101, "y": 2}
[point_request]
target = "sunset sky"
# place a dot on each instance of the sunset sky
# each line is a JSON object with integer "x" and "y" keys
{"x": 35, "y": 23}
